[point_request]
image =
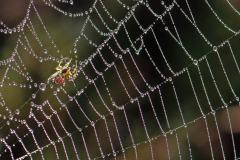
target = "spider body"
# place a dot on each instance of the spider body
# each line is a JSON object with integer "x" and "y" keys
{"x": 59, "y": 80}
{"x": 64, "y": 72}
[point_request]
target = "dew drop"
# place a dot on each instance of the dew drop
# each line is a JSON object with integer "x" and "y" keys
{"x": 45, "y": 51}
{"x": 74, "y": 50}
{"x": 132, "y": 101}
{"x": 70, "y": 98}
{"x": 195, "y": 62}
{"x": 214, "y": 48}
{"x": 10, "y": 117}
{"x": 32, "y": 104}
{"x": 237, "y": 98}
{"x": 111, "y": 113}
{"x": 17, "y": 112}
{"x": 42, "y": 86}
{"x": 33, "y": 95}
{"x": 170, "y": 79}
{"x": 78, "y": 93}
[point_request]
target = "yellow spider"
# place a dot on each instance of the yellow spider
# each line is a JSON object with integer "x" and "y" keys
{"x": 64, "y": 72}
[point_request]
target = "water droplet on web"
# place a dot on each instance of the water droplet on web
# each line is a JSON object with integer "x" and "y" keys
{"x": 8, "y": 123}
{"x": 213, "y": 112}
{"x": 10, "y": 117}
{"x": 195, "y": 62}
{"x": 33, "y": 95}
{"x": 152, "y": 89}
{"x": 74, "y": 50}
{"x": 214, "y": 48}
{"x": 78, "y": 93}
{"x": 17, "y": 112}
{"x": 70, "y": 98}
{"x": 86, "y": 62}
{"x": 32, "y": 104}
{"x": 42, "y": 86}
{"x": 170, "y": 79}
{"x": 134, "y": 146}
{"x": 90, "y": 10}
{"x": 131, "y": 100}
{"x": 45, "y": 51}
{"x": 237, "y": 98}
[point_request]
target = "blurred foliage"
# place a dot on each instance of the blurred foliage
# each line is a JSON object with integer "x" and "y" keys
{"x": 65, "y": 30}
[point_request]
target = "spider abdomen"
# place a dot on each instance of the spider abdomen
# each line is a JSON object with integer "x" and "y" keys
{"x": 59, "y": 80}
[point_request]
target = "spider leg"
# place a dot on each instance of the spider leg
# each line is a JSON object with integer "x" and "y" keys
{"x": 75, "y": 69}
{"x": 67, "y": 64}
{"x": 53, "y": 75}
{"x": 59, "y": 67}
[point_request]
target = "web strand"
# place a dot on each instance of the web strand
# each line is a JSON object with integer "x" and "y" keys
{"x": 121, "y": 116}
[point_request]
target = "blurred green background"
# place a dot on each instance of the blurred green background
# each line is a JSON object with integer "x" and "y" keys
{"x": 195, "y": 139}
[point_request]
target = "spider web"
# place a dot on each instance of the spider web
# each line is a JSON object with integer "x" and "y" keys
{"x": 156, "y": 80}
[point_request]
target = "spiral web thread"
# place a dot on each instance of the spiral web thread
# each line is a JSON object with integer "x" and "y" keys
{"x": 90, "y": 105}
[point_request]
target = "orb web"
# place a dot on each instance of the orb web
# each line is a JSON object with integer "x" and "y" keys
{"x": 155, "y": 80}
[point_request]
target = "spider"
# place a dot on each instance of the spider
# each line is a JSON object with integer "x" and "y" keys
{"x": 64, "y": 72}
